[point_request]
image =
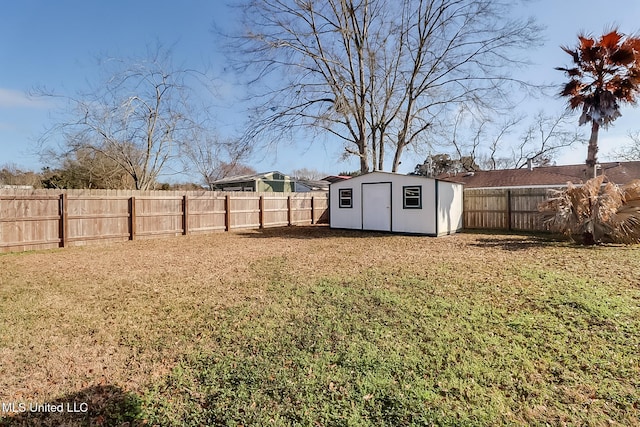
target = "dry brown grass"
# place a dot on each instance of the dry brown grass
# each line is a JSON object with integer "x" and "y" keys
{"x": 123, "y": 314}
{"x": 84, "y": 316}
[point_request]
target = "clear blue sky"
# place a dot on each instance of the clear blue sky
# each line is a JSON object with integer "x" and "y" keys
{"x": 55, "y": 44}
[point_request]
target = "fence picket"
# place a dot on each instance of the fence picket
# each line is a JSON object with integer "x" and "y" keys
{"x": 504, "y": 209}
{"x": 46, "y": 219}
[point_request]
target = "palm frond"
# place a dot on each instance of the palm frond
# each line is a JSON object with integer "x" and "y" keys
{"x": 608, "y": 202}
{"x": 627, "y": 223}
{"x": 574, "y": 54}
{"x": 605, "y": 212}
{"x": 631, "y": 191}
{"x": 559, "y": 213}
{"x": 622, "y": 56}
{"x": 585, "y": 41}
{"x": 628, "y": 216}
{"x": 611, "y": 40}
{"x": 572, "y": 88}
{"x": 576, "y": 101}
{"x": 632, "y": 43}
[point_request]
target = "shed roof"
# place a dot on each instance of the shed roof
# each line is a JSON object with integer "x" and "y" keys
{"x": 371, "y": 173}
{"x": 390, "y": 175}
{"x": 546, "y": 176}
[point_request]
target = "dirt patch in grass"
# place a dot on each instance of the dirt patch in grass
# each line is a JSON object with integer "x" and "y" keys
{"x": 126, "y": 316}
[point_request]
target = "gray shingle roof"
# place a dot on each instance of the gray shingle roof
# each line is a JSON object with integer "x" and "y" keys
{"x": 618, "y": 172}
{"x": 244, "y": 178}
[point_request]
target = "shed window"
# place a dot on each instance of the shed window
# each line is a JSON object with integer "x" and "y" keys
{"x": 412, "y": 197}
{"x": 346, "y": 198}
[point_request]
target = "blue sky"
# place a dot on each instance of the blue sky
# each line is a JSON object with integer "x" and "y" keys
{"x": 55, "y": 44}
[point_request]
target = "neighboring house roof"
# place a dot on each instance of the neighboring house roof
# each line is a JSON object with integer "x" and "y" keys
{"x": 273, "y": 175}
{"x": 313, "y": 185}
{"x": 546, "y": 176}
{"x": 335, "y": 178}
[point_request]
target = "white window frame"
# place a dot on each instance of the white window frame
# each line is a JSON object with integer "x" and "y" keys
{"x": 345, "y": 202}
{"x": 414, "y": 197}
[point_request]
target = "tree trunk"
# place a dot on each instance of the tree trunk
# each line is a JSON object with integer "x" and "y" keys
{"x": 364, "y": 165}
{"x": 592, "y": 151}
{"x": 381, "y": 151}
{"x": 364, "y": 158}
{"x": 396, "y": 157}
{"x": 374, "y": 151}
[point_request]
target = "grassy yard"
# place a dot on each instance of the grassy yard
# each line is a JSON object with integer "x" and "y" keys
{"x": 313, "y": 327}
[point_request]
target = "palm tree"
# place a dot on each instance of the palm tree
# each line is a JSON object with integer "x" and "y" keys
{"x": 605, "y": 73}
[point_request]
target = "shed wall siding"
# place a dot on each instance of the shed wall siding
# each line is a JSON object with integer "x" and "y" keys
{"x": 345, "y": 217}
{"x": 450, "y": 204}
{"x": 414, "y": 220}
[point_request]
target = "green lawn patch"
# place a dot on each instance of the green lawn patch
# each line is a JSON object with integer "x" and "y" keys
{"x": 380, "y": 350}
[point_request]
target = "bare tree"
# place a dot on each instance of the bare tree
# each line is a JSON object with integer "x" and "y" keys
{"x": 477, "y": 143}
{"x": 308, "y": 174}
{"x": 495, "y": 160}
{"x": 376, "y": 74}
{"x": 138, "y": 118}
{"x": 214, "y": 158}
{"x": 631, "y": 151}
{"x": 470, "y": 136}
{"x": 543, "y": 139}
{"x": 468, "y": 153}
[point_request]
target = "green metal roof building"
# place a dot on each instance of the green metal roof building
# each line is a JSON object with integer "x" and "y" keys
{"x": 275, "y": 181}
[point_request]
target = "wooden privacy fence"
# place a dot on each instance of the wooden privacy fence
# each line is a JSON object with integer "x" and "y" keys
{"x": 44, "y": 219}
{"x": 504, "y": 209}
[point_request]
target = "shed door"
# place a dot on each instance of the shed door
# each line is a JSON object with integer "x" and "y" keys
{"x": 376, "y": 206}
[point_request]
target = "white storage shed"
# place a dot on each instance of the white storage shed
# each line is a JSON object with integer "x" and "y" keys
{"x": 382, "y": 201}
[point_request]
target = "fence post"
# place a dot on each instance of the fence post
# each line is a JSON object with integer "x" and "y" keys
{"x": 132, "y": 218}
{"x": 64, "y": 220}
{"x": 464, "y": 210}
{"x": 261, "y": 211}
{"x": 289, "y": 213}
{"x": 509, "y": 210}
{"x": 313, "y": 213}
{"x": 227, "y": 213}
{"x": 185, "y": 215}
